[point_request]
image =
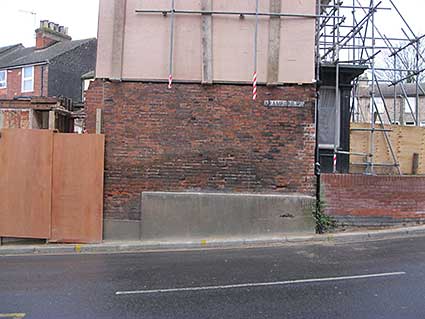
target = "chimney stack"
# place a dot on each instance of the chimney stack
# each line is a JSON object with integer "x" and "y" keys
{"x": 50, "y": 33}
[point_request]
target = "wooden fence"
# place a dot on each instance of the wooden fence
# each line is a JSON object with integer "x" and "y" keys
{"x": 51, "y": 185}
{"x": 405, "y": 140}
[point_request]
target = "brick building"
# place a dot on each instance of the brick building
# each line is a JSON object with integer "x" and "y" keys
{"x": 53, "y": 68}
{"x": 205, "y": 133}
{"x": 38, "y": 113}
{"x": 400, "y": 102}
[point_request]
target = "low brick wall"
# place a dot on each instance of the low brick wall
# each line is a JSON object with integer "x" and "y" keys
{"x": 360, "y": 200}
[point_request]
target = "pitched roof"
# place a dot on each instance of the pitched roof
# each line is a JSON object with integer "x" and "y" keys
{"x": 27, "y": 56}
{"x": 9, "y": 47}
{"x": 87, "y": 76}
{"x": 388, "y": 91}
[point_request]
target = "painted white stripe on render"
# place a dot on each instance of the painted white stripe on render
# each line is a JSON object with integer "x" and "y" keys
{"x": 261, "y": 284}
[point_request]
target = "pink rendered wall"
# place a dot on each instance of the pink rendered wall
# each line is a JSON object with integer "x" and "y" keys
{"x": 145, "y": 52}
{"x": 147, "y": 41}
{"x": 104, "y": 34}
{"x": 297, "y": 43}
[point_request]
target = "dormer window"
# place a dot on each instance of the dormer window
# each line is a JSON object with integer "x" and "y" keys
{"x": 3, "y": 79}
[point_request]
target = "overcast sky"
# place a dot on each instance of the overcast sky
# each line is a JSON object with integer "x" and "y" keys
{"x": 18, "y": 27}
{"x": 81, "y": 17}
{"x": 390, "y": 23}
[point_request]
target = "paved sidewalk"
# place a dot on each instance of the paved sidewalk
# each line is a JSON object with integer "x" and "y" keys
{"x": 141, "y": 246}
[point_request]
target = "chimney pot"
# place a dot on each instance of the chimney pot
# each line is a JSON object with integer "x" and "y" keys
{"x": 50, "y": 33}
{"x": 44, "y": 23}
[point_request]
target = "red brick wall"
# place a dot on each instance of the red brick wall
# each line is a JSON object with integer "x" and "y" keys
{"x": 15, "y": 118}
{"x": 362, "y": 200}
{"x": 43, "y": 40}
{"x": 206, "y": 138}
{"x": 14, "y": 83}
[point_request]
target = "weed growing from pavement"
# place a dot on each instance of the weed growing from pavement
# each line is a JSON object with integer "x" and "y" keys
{"x": 324, "y": 223}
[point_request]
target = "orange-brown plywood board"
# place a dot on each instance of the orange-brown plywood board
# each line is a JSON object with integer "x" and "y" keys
{"x": 405, "y": 141}
{"x": 25, "y": 183}
{"x": 77, "y": 193}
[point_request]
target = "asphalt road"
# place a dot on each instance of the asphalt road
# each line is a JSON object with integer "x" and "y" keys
{"x": 383, "y": 279}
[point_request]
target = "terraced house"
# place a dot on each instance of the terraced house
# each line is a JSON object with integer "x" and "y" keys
{"x": 52, "y": 69}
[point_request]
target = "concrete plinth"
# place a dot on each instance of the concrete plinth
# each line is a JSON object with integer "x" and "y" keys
{"x": 170, "y": 216}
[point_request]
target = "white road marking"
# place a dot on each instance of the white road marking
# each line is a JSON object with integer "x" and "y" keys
{"x": 260, "y": 284}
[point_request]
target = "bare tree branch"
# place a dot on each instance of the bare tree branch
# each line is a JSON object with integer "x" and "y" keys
{"x": 405, "y": 65}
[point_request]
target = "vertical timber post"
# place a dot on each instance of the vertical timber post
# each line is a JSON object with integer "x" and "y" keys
{"x": 52, "y": 120}
{"x": 31, "y": 118}
{"x": 118, "y": 39}
{"x": 415, "y": 164}
{"x": 207, "y": 52}
{"x": 274, "y": 43}
{"x": 98, "y": 121}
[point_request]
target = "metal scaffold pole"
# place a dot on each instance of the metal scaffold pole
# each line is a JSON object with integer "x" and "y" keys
{"x": 337, "y": 89}
{"x": 348, "y": 35}
{"x": 254, "y": 76}
{"x": 170, "y": 73}
{"x": 418, "y": 117}
{"x": 372, "y": 94}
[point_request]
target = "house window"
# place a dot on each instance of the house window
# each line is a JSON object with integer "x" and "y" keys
{"x": 28, "y": 79}
{"x": 380, "y": 106}
{"x": 3, "y": 79}
{"x": 412, "y": 102}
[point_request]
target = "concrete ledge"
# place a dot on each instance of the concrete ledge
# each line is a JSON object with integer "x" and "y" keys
{"x": 190, "y": 216}
{"x": 212, "y": 243}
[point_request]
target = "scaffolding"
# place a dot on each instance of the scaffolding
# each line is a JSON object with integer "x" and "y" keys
{"x": 348, "y": 33}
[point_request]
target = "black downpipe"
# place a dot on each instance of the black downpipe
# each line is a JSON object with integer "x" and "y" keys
{"x": 42, "y": 81}
{"x": 319, "y": 228}
{"x": 317, "y": 158}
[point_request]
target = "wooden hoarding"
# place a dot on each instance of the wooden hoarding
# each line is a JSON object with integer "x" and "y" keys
{"x": 405, "y": 140}
{"x": 51, "y": 185}
{"x": 77, "y": 193}
{"x": 25, "y": 183}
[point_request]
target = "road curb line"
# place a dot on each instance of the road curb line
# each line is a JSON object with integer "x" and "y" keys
{"x": 140, "y": 246}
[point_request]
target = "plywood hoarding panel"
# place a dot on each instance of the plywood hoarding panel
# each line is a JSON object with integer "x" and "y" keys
{"x": 405, "y": 141}
{"x": 25, "y": 183}
{"x": 77, "y": 194}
